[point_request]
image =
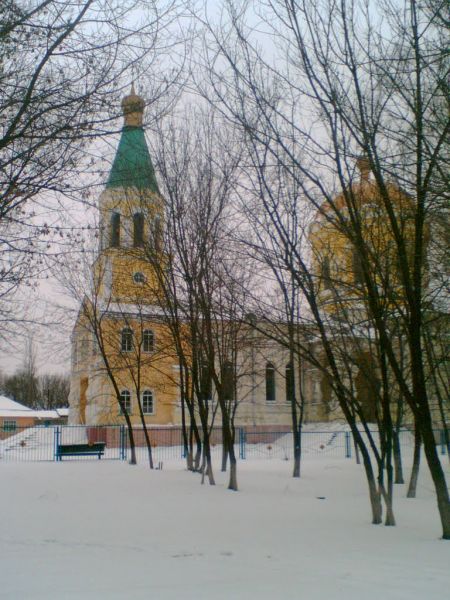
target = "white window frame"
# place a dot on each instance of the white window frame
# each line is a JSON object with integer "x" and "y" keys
{"x": 122, "y": 348}
{"x": 146, "y": 412}
{"x": 126, "y": 401}
{"x": 152, "y": 349}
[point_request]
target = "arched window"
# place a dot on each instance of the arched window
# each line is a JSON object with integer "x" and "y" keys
{"x": 138, "y": 230}
{"x": 114, "y": 239}
{"x": 139, "y": 277}
{"x": 125, "y": 402}
{"x": 148, "y": 406}
{"x": 126, "y": 342}
{"x": 289, "y": 377}
{"x": 270, "y": 383}
{"x": 228, "y": 381}
{"x": 148, "y": 340}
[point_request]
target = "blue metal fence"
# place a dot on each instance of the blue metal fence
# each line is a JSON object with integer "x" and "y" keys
{"x": 41, "y": 443}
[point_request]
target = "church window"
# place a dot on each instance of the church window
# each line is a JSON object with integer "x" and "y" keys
{"x": 115, "y": 230}
{"x": 148, "y": 340}
{"x": 148, "y": 407}
{"x": 358, "y": 273}
{"x": 138, "y": 230}
{"x": 206, "y": 383}
{"x": 139, "y": 277}
{"x": 270, "y": 383}
{"x": 228, "y": 381}
{"x": 289, "y": 377}
{"x": 326, "y": 273}
{"x": 125, "y": 402}
{"x": 157, "y": 234}
{"x": 316, "y": 392}
{"x": 126, "y": 342}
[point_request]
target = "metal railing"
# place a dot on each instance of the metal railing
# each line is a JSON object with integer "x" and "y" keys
{"x": 40, "y": 443}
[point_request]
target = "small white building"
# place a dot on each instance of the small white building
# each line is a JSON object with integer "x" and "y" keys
{"x": 15, "y": 416}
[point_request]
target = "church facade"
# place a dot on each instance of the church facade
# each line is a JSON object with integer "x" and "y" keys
{"x": 121, "y": 330}
{"x": 124, "y": 360}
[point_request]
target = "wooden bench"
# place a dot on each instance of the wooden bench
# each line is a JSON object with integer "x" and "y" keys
{"x": 94, "y": 449}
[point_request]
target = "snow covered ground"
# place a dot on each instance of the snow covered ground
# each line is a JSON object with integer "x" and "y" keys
{"x": 103, "y": 529}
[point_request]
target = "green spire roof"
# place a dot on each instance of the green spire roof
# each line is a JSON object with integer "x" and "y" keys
{"x": 132, "y": 166}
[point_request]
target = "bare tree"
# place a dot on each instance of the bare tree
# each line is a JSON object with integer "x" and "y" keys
{"x": 197, "y": 174}
{"x": 62, "y": 66}
{"x": 343, "y": 88}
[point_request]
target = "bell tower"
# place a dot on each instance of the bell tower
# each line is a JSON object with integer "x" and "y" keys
{"x": 131, "y": 214}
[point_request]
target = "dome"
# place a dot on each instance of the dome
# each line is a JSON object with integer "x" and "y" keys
{"x": 133, "y": 109}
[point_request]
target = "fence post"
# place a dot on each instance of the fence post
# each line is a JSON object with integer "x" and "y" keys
{"x": 442, "y": 442}
{"x": 123, "y": 453}
{"x": 56, "y": 438}
{"x": 241, "y": 443}
{"x": 348, "y": 445}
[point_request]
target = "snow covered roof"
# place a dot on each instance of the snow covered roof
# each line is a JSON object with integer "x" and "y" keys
{"x": 12, "y": 409}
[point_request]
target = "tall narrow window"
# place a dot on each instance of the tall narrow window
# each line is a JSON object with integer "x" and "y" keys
{"x": 114, "y": 240}
{"x": 289, "y": 376}
{"x": 326, "y": 274}
{"x": 148, "y": 340}
{"x": 358, "y": 273}
{"x": 126, "y": 342}
{"x": 206, "y": 383}
{"x": 270, "y": 383}
{"x": 148, "y": 407}
{"x": 228, "y": 381}
{"x": 157, "y": 234}
{"x": 125, "y": 402}
{"x": 138, "y": 230}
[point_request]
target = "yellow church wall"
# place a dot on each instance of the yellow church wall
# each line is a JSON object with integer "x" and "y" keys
{"x": 93, "y": 397}
{"x": 329, "y": 242}
{"x": 127, "y": 202}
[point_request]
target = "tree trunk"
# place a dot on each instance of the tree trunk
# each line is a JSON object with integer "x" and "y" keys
{"x": 374, "y": 493}
{"x": 357, "y": 458}
{"x": 416, "y": 464}
{"x": 225, "y": 452}
{"x": 437, "y": 474}
{"x": 198, "y": 455}
{"x": 194, "y": 432}
{"x": 389, "y": 495}
{"x": 132, "y": 460}
{"x": 232, "y": 484}
{"x": 397, "y": 457}
{"x": 147, "y": 440}
{"x": 444, "y": 425}
{"x": 375, "y": 500}
{"x": 207, "y": 468}
{"x": 187, "y": 447}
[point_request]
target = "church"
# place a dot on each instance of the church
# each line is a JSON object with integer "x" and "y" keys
{"x": 124, "y": 361}
{"x": 121, "y": 343}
